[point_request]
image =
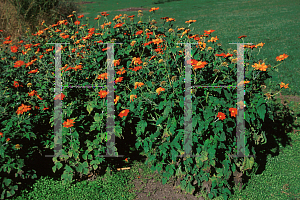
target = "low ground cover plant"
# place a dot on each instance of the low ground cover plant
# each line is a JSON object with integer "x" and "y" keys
{"x": 149, "y": 86}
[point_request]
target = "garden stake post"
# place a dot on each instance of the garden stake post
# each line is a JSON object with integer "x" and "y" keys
{"x": 57, "y": 104}
{"x": 240, "y": 98}
{"x": 110, "y": 144}
{"x": 240, "y": 120}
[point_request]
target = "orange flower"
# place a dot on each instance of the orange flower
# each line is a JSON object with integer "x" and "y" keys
{"x": 153, "y": 9}
{"x": 140, "y": 84}
{"x": 281, "y": 57}
{"x": 117, "y": 62}
{"x": 23, "y": 108}
{"x": 14, "y": 49}
{"x": 116, "y": 99}
{"x": 190, "y": 21}
{"x": 17, "y": 84}
{"x": 102, "y": 76}
{"x": 208, "y": 32}
{"x": 261, "y": 67}
{"x": 243, "y": 36}
{"x": 213, "y": 39}
{"x": 7, "y": 139}
{"x": 102, "y": 93}
{"x": 77, "y": 22}
{"x": 119, "y": 79}
{"x": 69, "y": 123}
{"x": 32, "y": 93}
{"x": 126, "y": 160}
{"x": 17, "y": 146}
{"x": 121, "y": 71}
{"x": 233, "y": 112}
{"x": 124, "y": 113}
{"x": 60, "y": 96}
{"x": 118, "y": 25}
{"x": 132, "y": 96}
{"x": 158, "y": 90}
{"x": 33, "y": 71}
{"x": 221, "y": 116}
{"x": 1, "y": 134}
{"x": 283, "y": 85}
{"x": 19, "y": 63}
{"x": 139, "y": 32}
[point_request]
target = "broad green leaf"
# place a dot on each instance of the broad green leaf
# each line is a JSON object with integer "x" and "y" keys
{"x": 190, "y": 189}
{"x": 58, "y": 164}
{"x": 89, "y": 108}
{"x": 248, "y": 163}
{"x": 97, "y": 117}
{"x": 204, "y": 156}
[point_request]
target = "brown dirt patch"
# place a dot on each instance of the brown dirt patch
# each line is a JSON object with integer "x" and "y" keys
{"x": 133, "y": 9}
{"x": 84, "y": 2}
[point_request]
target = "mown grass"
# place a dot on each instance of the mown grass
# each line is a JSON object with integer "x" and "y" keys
{"x": 272, "y": 22}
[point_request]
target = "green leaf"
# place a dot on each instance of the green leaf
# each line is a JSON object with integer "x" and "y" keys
{"x": 161, "y": 105}
{"x": 54, "y": 168}
{"x": 159, "y": 121}
{"x": 7, "y": 181}
{"x": 58, "y": 164}
{"x": 95, "y": 167}
{"x": 89, "y": 108}
{"x": 97, "y": 117}
{"x": 204, "y": 156}
{"x": 248, "y": 163}
{"x": 190, "y": 189}
{"x": 164, "y": 180}
{"x": 262, "y": 111}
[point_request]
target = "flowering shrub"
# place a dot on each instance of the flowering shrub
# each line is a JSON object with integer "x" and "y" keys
{"x": 149, "y": 86}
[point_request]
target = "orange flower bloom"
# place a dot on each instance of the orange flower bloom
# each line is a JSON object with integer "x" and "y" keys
{"x": 1, "y": 134}
{"x": 243, "y": 36}
{"x": 17, "y": 84}
{"x": 14, "y": 49}
{"x": 261, "y": 67}
{"x": 102, "y": 93}
{"x": 23, "y": 108}
{"x": 32, "y": 93}
{"x": 213, "y": 39}
{"x": 124, "y": 113}
{"x": 153, "y": 9}
{"x": 102, "y": 76}
{"x": 208, "y": 32}
{"x": 116, "y": 99}
{"x": 132, "y": 96}
{"x": 77, "y": 22}
{"x": 190, "y": 21}
{"x": 7, "y": 139}
{"x": 117, "y": 62}
{"x": 33, "y": 71}
{"x": 158, "y": 90}
{"x": 119, "y": 79}
{"x": 60, "y": 96}
{"x": 283, "y": 85}
{"x": 120, "y": 71}
{"x": 126, "y": 160}
{"x": 17, "y": 146}
{"x": 221, "y": 116}
{"x": 281, "y": 57}
{"x": 19, "y": 63}
{"x": 140, "y": 84}
{"x": 69, "y": 123}
{"x": 233, "y": 112}
{"x": 118, "y": 25}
